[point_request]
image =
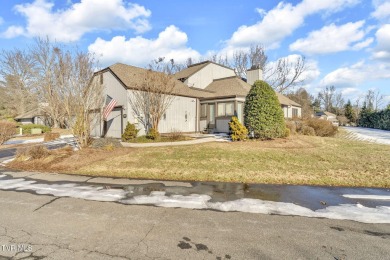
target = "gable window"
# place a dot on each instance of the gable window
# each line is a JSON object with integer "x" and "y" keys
{"x": 226, "y": 109}
{"x": 295, "y": 112}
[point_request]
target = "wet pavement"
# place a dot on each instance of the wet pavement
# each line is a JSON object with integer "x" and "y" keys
{"x": 371, "y": 204}
{"x": 312, "y": 197}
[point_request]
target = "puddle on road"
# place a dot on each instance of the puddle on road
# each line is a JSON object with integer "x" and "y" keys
{"x": 219, "y": 192}
{"x": 309, "y": 201}
{"x": 311, "y": 197}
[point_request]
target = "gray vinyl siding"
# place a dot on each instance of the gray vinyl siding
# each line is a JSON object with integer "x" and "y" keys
{"x": 175, "y": 117}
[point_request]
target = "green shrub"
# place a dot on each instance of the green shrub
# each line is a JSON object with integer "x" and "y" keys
{"x": 263, "y": 114}
{"x": 322, "y": 127}
{"x": 307, "y": 130}
{"x": 27, "y": 128}
{"x": 130, "y": 132}
{"x": 153, "y": 134}
{"x": 287, "y": 132}
{"x": 7, "y": 130}
{"x": 238, "y": 131}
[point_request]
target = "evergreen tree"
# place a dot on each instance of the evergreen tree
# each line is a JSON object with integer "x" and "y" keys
{"x": 263, "y": 114}
{"x": 349, "y": 113}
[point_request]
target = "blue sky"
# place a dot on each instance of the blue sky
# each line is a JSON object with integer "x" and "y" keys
{"x": 346, "y": 42}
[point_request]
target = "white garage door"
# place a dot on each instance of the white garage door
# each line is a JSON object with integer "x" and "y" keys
{"x": 114, "y": 123}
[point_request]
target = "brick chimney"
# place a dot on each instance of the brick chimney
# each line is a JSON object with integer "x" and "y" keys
{"x": 253, "y": 74}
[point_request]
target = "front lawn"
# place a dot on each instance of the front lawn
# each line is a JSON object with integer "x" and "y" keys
{"x": 296, "y": 160}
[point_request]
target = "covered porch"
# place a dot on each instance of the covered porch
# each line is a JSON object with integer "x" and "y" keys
{"x": 216, "y": 113}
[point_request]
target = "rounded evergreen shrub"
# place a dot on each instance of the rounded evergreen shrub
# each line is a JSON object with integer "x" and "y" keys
{"x": 237, "y": 130}
{"x": 130, "y": 132}
{"x": 263, "y": 113}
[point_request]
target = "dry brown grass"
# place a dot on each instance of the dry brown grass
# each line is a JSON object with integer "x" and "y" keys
{"x": 296, "y": 160}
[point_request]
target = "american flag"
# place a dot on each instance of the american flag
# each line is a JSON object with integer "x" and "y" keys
{"x": 110, "y": 104}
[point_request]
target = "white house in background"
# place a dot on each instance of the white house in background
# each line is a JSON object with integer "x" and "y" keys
{"x": 328, "y": 116}
{"x": 207, "y": 95}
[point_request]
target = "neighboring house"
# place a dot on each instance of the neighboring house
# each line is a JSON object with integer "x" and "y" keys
{"x": 328, "y": 116}
{"x": 207, "y": 95}
{"x": 34, "y": 116}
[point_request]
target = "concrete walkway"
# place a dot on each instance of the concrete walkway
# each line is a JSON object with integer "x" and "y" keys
{"x": 200, "y": 139}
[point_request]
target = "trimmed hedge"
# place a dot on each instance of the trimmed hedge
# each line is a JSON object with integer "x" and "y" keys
{"x": 263, "y": 114}
{"x": 27, "y": 128}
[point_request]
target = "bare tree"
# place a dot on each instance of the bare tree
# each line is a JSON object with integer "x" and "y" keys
{"x": 285, "y": 73}
{"x": 374, "y": 100}
{"x": 331, "y": 100}
{"x": 80, "y": 94}
{"x": 49, "y": 80}
{"x": 243, "y": 60}
{"x": 282, "y": 75}
{"x": 152, "y": 99}
{"x": 17, "y": 68}
{"x": 169, "y": 67}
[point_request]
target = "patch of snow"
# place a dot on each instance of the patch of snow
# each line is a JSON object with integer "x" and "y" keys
{"x": 367, "y": 197}
{"x": 2, "y": 175}
{"x": 64, "y": 190}
{"x": 7, "y": 161}
{"x": 356, "y": 212}
{"x": 27, "y": 141}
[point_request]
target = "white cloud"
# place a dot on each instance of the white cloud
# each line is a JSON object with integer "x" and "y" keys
{"x": 12, "y": 32}
{"x": 71, "y": 24}
{"x": 382, "y": 10}
{"x": 333, "y": 38}
{"x": 139, "y": 51}
{"x": 282, "y": 21}
{"x": 382, "y": 50}
{"x": 353, "y": 76}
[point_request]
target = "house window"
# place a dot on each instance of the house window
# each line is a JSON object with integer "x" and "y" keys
{"x": 221, "y": 109}
{"x": 203, "y": 110}
{"x": 101, "y": 78}
{"x": 226, "y": 109}
{"x": 295, "y": 112}
{"x": 229, "y": 109}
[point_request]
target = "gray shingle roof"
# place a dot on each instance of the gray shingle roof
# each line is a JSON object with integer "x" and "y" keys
{"x": 192, "y": 69}
{"x": 130, "y": 76}
{"x": 234, "y": 86}
{"x": 30, "y": 114}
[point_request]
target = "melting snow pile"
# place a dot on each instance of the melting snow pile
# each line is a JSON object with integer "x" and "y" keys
{"x": 356, "y": 212}
{"x": 63, "y": 190}
{"x": 380, "y": 214}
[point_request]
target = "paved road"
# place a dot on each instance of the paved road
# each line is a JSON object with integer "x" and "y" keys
{"x": 368, "y": 134}
{"x": 68, "y": 228}
{"x": 64, "y": 227}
